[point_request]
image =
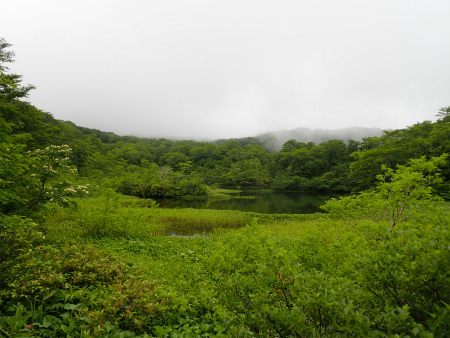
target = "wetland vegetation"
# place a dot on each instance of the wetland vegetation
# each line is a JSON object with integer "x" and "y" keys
{"x": 86, "y": 251}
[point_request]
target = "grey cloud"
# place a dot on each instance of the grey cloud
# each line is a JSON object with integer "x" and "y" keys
{"x": 220, "y": 69}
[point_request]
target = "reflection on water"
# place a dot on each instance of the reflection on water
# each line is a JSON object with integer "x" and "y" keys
{"x": 269, "y": 203}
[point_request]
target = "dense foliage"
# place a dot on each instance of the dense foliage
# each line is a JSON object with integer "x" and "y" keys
{"x": 79, "y": 259}
{"x": 161, "y": 167}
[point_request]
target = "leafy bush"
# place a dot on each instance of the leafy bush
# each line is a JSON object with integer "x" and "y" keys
{"x": 400, "y": 287}
{"x": 69, "y": 289}
{"x": 397, "y": 196}
{"x": 411, "y": 271}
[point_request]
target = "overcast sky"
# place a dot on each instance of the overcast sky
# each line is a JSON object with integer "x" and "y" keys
{"x": 208, "y": 69}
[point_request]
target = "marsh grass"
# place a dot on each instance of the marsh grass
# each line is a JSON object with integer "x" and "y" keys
{"x": 197, "y": 221}
{"x": 126, "y": 216}
{"x": 231, "y": 273}
{"x": 223, "y": 194}
{"x": 223, "y": 191}
{"x": 111, "y": 215}
{"x": 132, "y": 201}
{"x": 231, "y": 197}
{"x": 133, "y": 217}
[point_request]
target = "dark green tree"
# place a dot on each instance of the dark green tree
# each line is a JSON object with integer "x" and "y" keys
{"x": 443, "y": 112}
{"x": 10, "y": 84}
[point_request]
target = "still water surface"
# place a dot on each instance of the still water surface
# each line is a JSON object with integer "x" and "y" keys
{"x": 263, "y": 202}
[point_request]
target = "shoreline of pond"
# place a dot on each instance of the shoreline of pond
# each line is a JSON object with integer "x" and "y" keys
{"x": 260, "y": 201}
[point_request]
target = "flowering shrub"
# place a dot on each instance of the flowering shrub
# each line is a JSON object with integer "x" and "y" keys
{"x": 45, "y": 177}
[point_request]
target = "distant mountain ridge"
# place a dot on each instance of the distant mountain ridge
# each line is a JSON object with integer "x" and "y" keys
{"x": 273, "y": 141}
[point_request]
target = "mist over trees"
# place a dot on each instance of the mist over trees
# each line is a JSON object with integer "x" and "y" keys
{"x": 274, "y": 141}
{"x": 313, "y": 161}
{"x": 167, "y": 168}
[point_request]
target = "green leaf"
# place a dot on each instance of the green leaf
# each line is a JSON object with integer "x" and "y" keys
{"x": 108, "y": 326}
{"x": 73, "y": 306}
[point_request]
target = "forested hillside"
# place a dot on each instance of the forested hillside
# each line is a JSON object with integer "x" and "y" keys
{"x": 162, "y": 167}
{"x": 80, "y": 259}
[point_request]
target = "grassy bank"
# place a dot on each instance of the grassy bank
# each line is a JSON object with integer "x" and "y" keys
{"x": 116, "y": 266}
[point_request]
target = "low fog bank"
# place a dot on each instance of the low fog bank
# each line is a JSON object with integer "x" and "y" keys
{"x": 273, "y": 141}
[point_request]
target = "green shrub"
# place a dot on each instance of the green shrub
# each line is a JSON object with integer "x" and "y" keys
{"x": 411, "y": 271}
{"x": 69, "y": 289}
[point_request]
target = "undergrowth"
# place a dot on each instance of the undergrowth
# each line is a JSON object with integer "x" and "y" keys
{"x": 231, "y": 274}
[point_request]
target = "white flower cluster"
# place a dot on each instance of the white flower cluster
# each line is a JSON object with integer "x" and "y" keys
{"x": 49, "y": 190}
{"x": 58, "y": 149}
{"x": 49, "y": 168}
{"x": 83, "y": 188}
{"x": 70, "y": 190}
{"x": 61, "y": 148}
{"x": 80, "y": 188}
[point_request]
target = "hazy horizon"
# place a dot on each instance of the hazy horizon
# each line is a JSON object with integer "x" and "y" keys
{"x": 272, "y": 132}
{"x": 208, "y": 70}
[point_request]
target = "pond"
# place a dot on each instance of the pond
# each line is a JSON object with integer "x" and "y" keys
{"x": 250, "y": 201}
